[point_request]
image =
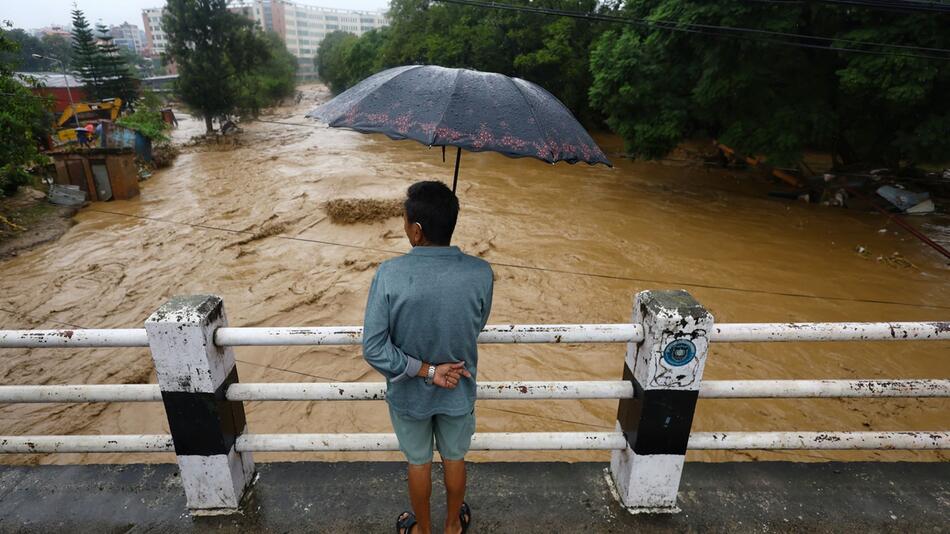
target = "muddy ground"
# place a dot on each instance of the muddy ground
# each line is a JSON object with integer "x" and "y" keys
{"x": 27, "y": 220}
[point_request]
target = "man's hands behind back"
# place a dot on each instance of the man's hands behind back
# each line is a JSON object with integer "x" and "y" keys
{"x": 448, "y": 375}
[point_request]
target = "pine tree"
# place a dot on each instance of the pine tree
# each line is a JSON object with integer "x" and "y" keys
{"x": 85, "y": 54}
{"x": 117, "y": 79}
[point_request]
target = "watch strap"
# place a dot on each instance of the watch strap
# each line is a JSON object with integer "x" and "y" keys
{"x": 430, "y": 374}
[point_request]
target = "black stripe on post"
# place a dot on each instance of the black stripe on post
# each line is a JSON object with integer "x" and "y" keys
{"x": 204, "y": 424}
{"x": 656, "y": 421}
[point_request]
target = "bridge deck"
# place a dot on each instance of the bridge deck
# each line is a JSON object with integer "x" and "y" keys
{"x": 508, "y": 497}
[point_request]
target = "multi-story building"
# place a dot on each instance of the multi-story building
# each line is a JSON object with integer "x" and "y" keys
{"x": 155, "y": 40}
{"x": 129, "y": 36}
{"x": 55, "y": 29}
{"x": 302, "y": 27}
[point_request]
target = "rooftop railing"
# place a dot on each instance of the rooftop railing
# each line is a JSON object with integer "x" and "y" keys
{"x": 667, "y": 343}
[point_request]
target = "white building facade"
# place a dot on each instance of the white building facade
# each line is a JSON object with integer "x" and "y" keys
{"x": 302, "y": 27}
{"x": 155, "y": 39}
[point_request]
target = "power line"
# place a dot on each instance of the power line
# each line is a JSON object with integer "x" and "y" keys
{"x": 817, "y": 42}
{"x": 668, "y": 283}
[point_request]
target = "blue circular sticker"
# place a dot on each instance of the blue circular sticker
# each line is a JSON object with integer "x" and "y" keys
{"x": 679, "y": 352}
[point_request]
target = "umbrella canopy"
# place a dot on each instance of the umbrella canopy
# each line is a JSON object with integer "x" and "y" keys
{"x": 477, "y": 111}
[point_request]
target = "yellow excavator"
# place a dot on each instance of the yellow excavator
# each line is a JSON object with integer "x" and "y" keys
{"x": 84, "y": 112}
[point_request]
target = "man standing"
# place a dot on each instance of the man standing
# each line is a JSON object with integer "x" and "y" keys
{"x": 423, "y": 316}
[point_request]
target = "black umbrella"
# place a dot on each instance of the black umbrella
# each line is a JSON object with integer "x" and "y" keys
{"x": 477, "y": 111}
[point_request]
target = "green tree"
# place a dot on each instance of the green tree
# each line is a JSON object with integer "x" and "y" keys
{"x": 550, "y": 51}
{"x": 269, "y": 82}
{"x": 59, "y": 47}
{"x": 22, "y": 118}
{"x": 49, "y": 45}
{"x": 27, "y": 45}
{"x": 215, "y": 50}
{"x": 117, "y": 79}
{"x": 658, "y": 87}
{"x": 331, "y": 59}
{"x": 86, "y": 60}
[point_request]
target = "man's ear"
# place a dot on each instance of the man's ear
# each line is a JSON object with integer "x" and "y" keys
{"x": 418, "y": 233}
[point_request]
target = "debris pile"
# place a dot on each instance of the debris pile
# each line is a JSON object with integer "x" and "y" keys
{"x": 363, "y": 210}
{"x": 164, "y": 154}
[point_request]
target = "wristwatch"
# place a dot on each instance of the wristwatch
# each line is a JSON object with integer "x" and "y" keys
{"x": 430, "y": 375}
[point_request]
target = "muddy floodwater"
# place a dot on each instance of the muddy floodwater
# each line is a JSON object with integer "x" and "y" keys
{"x": 569, "y": 244}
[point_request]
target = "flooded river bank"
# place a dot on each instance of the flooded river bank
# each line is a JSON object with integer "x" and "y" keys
{"x": 568, "y": 245}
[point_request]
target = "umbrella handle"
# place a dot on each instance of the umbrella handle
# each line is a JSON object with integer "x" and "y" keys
{"x": 458, "y": 159}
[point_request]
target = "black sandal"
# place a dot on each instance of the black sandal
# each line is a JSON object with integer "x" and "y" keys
{"x": 404, "y": 524}
{"x": 465, "y": 516}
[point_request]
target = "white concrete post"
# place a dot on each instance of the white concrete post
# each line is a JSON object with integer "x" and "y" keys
{"x": 666, "y": 369}
{"x": 193, "y": 375}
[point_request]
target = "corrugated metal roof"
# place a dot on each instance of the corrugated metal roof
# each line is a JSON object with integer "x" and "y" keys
{"x": 49, "y": 79}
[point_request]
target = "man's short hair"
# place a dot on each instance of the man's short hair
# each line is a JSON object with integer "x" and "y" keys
{"x": 436, "y": 208}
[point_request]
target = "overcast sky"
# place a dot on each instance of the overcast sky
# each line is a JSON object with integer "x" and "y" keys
{"x": 39, "y": 13}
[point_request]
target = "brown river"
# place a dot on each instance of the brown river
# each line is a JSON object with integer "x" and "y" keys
{"x": 570, "y": 244}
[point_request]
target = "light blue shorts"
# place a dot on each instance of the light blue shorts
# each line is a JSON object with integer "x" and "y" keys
{"x": 452, "y": 433}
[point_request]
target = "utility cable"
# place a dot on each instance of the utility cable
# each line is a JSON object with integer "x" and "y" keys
{"x": 668, "y": 283}
{"x": 823, "y": 43}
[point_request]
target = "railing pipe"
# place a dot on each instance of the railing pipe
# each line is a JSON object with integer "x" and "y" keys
{"x": 352, "y": 335}
{"x": 88, "y": 443}
{"x": 82, "y": 393}
{"x": 792, "y": 389}
{"x": 79, "y": 337}
{"x": 585, "y": 333}
{"x": 919, "y": 440}
{"x": 606, "y": 389}
{"x": 490, "y": 441}
{"x": 745, "y": 332}
{"x": 819, "y": 440}
{"x": 600, "y": 389}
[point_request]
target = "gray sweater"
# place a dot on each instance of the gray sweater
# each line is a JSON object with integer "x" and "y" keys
{"x": 427, "y": 306}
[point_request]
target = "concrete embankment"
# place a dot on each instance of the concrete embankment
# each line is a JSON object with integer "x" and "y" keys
{"x": 505, "y": 497}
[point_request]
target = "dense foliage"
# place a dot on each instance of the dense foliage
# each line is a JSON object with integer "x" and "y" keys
{"x": 226, "y": 65}
{"x": 270, "y": 81}
{"x": 23, "y": 118}
{"x": 656, "y": 87}
{"x": 550, "y": 51}
{"x": 334, "y": 65}
{"x": 50, "y": 45}
{"x": 147, "y": 118}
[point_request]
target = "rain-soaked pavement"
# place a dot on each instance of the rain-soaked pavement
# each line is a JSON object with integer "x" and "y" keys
{"x": 568, "y": 245}
{"x": 505, "y": 497}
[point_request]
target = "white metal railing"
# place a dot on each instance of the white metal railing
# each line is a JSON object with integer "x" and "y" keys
{"x": 491, "y": 441}
{"x": 536, "y": 390}
{"x": 168, "y": 341}
{"x": 588, "y": 333}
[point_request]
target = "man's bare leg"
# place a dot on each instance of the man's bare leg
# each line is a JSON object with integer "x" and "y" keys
{"x": 420, "y": 488}
{"x": 454, "y": 494}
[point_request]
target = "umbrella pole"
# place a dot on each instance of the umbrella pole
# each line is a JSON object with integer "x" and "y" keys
{"x": 458, "y": 159}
